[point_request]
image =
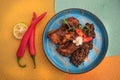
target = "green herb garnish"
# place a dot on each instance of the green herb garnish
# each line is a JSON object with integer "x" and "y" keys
{"x": 72, "y": 28}
{"x": 88, "y": 28}
{"x": 80, "y": 26}
{"x": 66, "y": 22}
{"x": 69, "y": 28}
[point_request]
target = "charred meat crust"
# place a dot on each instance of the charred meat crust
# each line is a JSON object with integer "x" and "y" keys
{"x": 63, "y": 37}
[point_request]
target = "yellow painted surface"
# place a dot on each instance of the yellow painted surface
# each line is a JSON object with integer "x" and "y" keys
{"x": 108, "y": 69}
{"x": 12, "y": 12}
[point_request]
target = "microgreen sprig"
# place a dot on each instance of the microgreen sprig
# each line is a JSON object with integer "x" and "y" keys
{"x": 69, "y": 28}
{"x": 66, "y": 22}
{"x": 88, "y": 28}
{"x": 80, "y": 26}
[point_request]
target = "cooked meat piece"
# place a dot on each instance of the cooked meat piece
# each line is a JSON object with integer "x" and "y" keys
{"x": 78, "y": 56}
{"x": 57, "y": 35}
{"x": 69, "y": 37}
{"x": 67, "y": 49}
{"x": 61, "y": 36}
{"x": 73, "y": 21}
{"x": 64, "y": 37}
{"x": 88, "y": 45}
{"x": 89, "y": 30}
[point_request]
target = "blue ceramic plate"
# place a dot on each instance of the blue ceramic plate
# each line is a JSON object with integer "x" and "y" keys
{"x": 100, "y": 43}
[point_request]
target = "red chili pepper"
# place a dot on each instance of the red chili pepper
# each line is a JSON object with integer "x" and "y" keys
{"x": 31, "y": 43}
{"x": 24, "y": 41}
{"x": 80, "y": 32}
{"x": 85, "y": 38}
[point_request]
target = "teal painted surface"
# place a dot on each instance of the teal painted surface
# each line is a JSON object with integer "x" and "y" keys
{"x": 108, "y": 12}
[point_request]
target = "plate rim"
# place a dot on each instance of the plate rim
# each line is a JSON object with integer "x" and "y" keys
{"x": 97, "y": 62}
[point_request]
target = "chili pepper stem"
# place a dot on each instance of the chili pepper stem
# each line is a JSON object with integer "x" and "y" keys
{"x": 33, "y": 58}
{"x": 18, "y": 61}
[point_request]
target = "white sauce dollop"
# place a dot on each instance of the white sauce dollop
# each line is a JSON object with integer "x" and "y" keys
{"x": 78, "y": 41}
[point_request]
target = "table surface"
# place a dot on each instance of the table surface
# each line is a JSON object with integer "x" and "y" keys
{"x": 16, "y": 11}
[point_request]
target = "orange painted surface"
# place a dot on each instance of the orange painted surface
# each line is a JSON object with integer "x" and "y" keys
{"x": 108, "y": 69}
